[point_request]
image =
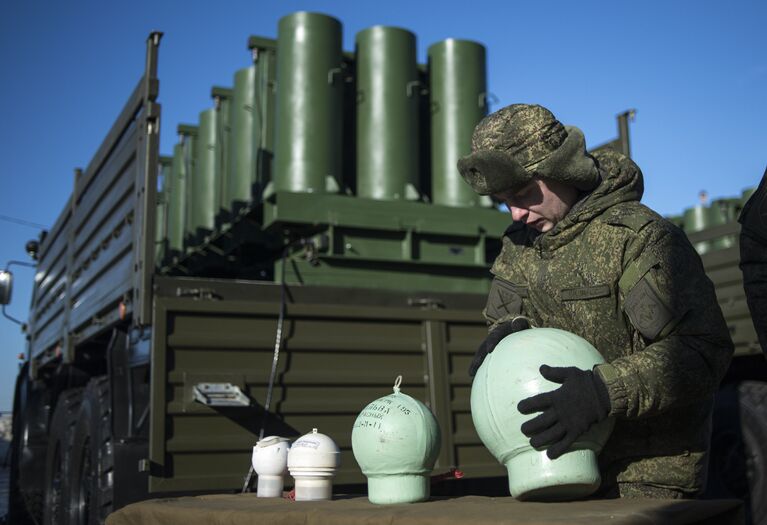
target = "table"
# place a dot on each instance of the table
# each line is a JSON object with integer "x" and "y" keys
{"x": 247, "y": 509}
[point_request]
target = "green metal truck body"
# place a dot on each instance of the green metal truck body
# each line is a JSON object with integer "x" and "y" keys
{"x": 141, "y": 300}
{"x": 343, "y": 347}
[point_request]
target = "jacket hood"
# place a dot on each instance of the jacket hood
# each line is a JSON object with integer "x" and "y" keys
{"x": 622, "y": 181}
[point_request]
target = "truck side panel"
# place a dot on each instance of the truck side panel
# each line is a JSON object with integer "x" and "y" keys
{"x": 47, "y": 319}
{"x": 722, "y": 267}
{"x": 337, "y": 356}
{"x": 103, "y": 243}
{"x": 95, "y": 257}
{"x": 461, "y": 340}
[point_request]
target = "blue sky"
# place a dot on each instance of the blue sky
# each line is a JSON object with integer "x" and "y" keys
{"x": 694, "y": 70}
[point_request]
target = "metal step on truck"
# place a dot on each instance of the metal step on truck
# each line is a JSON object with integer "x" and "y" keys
{"x": 276, "y": 273}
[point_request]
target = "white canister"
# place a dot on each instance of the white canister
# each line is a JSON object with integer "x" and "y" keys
{"x": 313, "y": 460}
{"x": 270, "y": 461}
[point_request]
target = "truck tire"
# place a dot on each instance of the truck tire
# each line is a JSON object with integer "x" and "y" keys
{"x": 59, "y": 456}
{"x": 91, "y": 492}
{"x": 23, "y": 507}
{"x": 738, "y": 464}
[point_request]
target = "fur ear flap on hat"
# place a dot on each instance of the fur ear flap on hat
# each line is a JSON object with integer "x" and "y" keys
{"x": 492, "y": 171}
{"x": 570, "y": 164}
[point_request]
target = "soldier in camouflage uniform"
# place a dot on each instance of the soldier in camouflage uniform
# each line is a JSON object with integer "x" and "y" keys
{"x": 585, "y": 256}
{"x": 753, "y": 258}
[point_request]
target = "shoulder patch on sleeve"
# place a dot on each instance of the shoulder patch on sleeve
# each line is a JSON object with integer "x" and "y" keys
{"x": 646, "y": 310}
{"x": 504, "y": 298}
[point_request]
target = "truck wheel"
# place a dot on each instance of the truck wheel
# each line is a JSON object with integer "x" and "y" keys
{"x": 91, "y": 491}
{"x": 738, "y": 464}
{"x": 23, "y": 507}
{"x": 59, "y": 455}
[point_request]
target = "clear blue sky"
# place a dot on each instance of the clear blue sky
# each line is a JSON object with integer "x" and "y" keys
{"x": 695, "y": 70}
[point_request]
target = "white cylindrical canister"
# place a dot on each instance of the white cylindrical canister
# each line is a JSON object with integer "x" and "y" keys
{"x": 313, "y": 460}
{"x": 270, "y": 462}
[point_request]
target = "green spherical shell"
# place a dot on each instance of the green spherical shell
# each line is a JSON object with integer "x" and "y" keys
{"x": 510, "y": 374}
{"x": 396, "y": 440}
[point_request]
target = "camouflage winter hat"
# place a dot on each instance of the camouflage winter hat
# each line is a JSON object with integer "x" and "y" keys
{"x": 520, "y": 141}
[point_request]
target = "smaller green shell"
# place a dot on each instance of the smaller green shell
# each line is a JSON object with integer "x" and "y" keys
{"x": 396, "y": 440}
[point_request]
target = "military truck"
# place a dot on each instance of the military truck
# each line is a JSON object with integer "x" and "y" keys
{"x": 274, "y": 275}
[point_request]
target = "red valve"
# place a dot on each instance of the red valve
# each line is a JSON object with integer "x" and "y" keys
{"x": 453, "y": 473}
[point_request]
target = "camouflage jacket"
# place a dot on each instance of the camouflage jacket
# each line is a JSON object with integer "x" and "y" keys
{"x": 628, "y": 281}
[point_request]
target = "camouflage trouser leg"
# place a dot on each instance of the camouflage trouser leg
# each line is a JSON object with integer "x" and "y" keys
{"x": 638, "y": 490}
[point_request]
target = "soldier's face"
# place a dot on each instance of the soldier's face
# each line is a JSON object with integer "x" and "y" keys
{"x": 540, "y": 204}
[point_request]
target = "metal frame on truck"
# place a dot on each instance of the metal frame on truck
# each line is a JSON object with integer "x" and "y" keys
{"x": 95, "y": 269}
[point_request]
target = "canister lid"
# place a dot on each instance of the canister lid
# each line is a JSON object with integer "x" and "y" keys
{"x": 314, "y": 450}
{"x": 271, "y": 440}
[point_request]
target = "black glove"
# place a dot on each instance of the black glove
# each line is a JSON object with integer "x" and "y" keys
{"x": 493, "y": 338}
{"x": 568, "y": 411}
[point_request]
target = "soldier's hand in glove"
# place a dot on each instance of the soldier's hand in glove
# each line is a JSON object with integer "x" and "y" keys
{"x": 568, "y": 411}
{"x": 493, "y": 338}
